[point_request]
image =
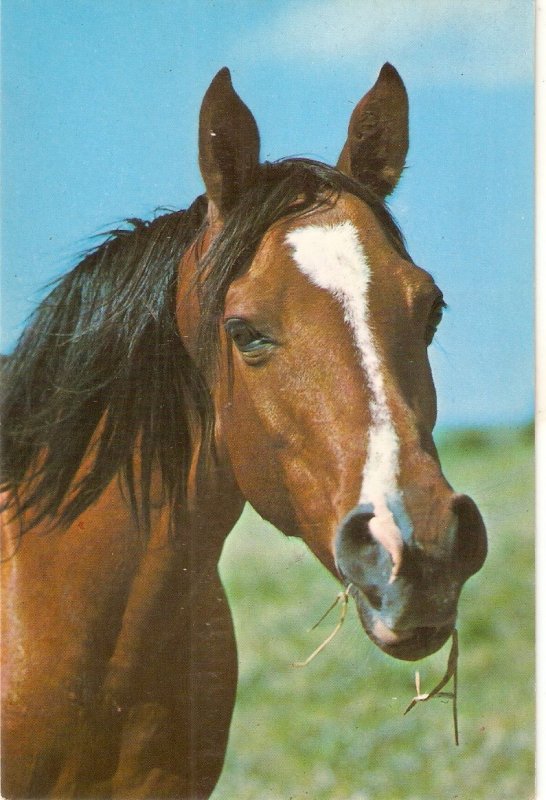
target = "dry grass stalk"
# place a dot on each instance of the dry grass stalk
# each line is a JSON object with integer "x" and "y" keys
{"x": 343, "y": 598}
{"x": 451, "y": 672}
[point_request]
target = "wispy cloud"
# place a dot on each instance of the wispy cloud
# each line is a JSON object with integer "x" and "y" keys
{"x": 483, "y": 42}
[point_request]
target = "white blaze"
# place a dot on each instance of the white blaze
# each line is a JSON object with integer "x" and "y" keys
{"x": 333, "y": 258}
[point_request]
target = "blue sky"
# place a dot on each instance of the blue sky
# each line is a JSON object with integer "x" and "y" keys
{"x": 100, "y": 106}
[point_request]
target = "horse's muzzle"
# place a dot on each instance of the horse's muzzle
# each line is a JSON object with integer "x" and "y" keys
{"x": 406, "y": 644}
{"x": 409, "y": 611}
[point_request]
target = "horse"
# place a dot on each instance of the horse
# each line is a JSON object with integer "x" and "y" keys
{"x": 267, "y": 345}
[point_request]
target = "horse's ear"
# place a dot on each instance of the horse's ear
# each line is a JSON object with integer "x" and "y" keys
{"x": 377, "y": 143}
{"x": 229, "y": 143}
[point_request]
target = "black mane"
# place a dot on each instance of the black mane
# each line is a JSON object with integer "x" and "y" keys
{"x": 103, "y": 347}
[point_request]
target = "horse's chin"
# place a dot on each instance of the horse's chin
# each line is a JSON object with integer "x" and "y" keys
{"x": 406, "y": 645}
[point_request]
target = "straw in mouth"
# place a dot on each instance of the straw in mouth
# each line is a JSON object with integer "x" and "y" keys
{"x": 451, "y": 670}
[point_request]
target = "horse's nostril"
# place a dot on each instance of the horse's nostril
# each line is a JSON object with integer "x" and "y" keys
{"x": 360, "y": 558}
{"x": 373, "y": 595}
{"x": 354, "y": 530}
{"x": 471, "y": 539}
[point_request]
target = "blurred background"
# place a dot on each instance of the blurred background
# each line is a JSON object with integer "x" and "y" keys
{"x": 100, "y": 107}
{"x": 335, "y": 730}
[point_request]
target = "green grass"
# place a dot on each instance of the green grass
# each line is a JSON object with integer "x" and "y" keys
{"x": 335, "y": 730}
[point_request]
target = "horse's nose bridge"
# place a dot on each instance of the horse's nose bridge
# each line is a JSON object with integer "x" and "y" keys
{"x": 424, "y": 499}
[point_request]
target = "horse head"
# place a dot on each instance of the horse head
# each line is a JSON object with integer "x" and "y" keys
{"x": 319, "y": 323}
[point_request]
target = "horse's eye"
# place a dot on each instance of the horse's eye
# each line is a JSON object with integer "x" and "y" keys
{"x": 434, "y": 319}
{"x": 247, "y": 339}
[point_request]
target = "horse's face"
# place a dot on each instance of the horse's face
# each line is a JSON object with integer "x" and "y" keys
{"x": 330, "y": 407}
{"x": 330, "y": 419}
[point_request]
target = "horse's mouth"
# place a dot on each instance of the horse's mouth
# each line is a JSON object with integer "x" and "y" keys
{"x": 405, "y": 644}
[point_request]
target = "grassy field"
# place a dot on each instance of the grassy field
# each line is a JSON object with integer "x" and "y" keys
{"x": 335, "y": 730}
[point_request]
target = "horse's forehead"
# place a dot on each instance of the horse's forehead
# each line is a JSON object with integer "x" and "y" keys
{"x": 340, "y": 247}
{"x": 345, "y": 248}
{"x": 339, "y": 231}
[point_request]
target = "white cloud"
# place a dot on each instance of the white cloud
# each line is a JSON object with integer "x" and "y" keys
{"x": 485, "y": 42}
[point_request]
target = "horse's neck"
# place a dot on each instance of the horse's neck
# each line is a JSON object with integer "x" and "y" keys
{"x": 181, "y": 571}
{"x": 121, "y": 628}
{"x": 106, "y": 558}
